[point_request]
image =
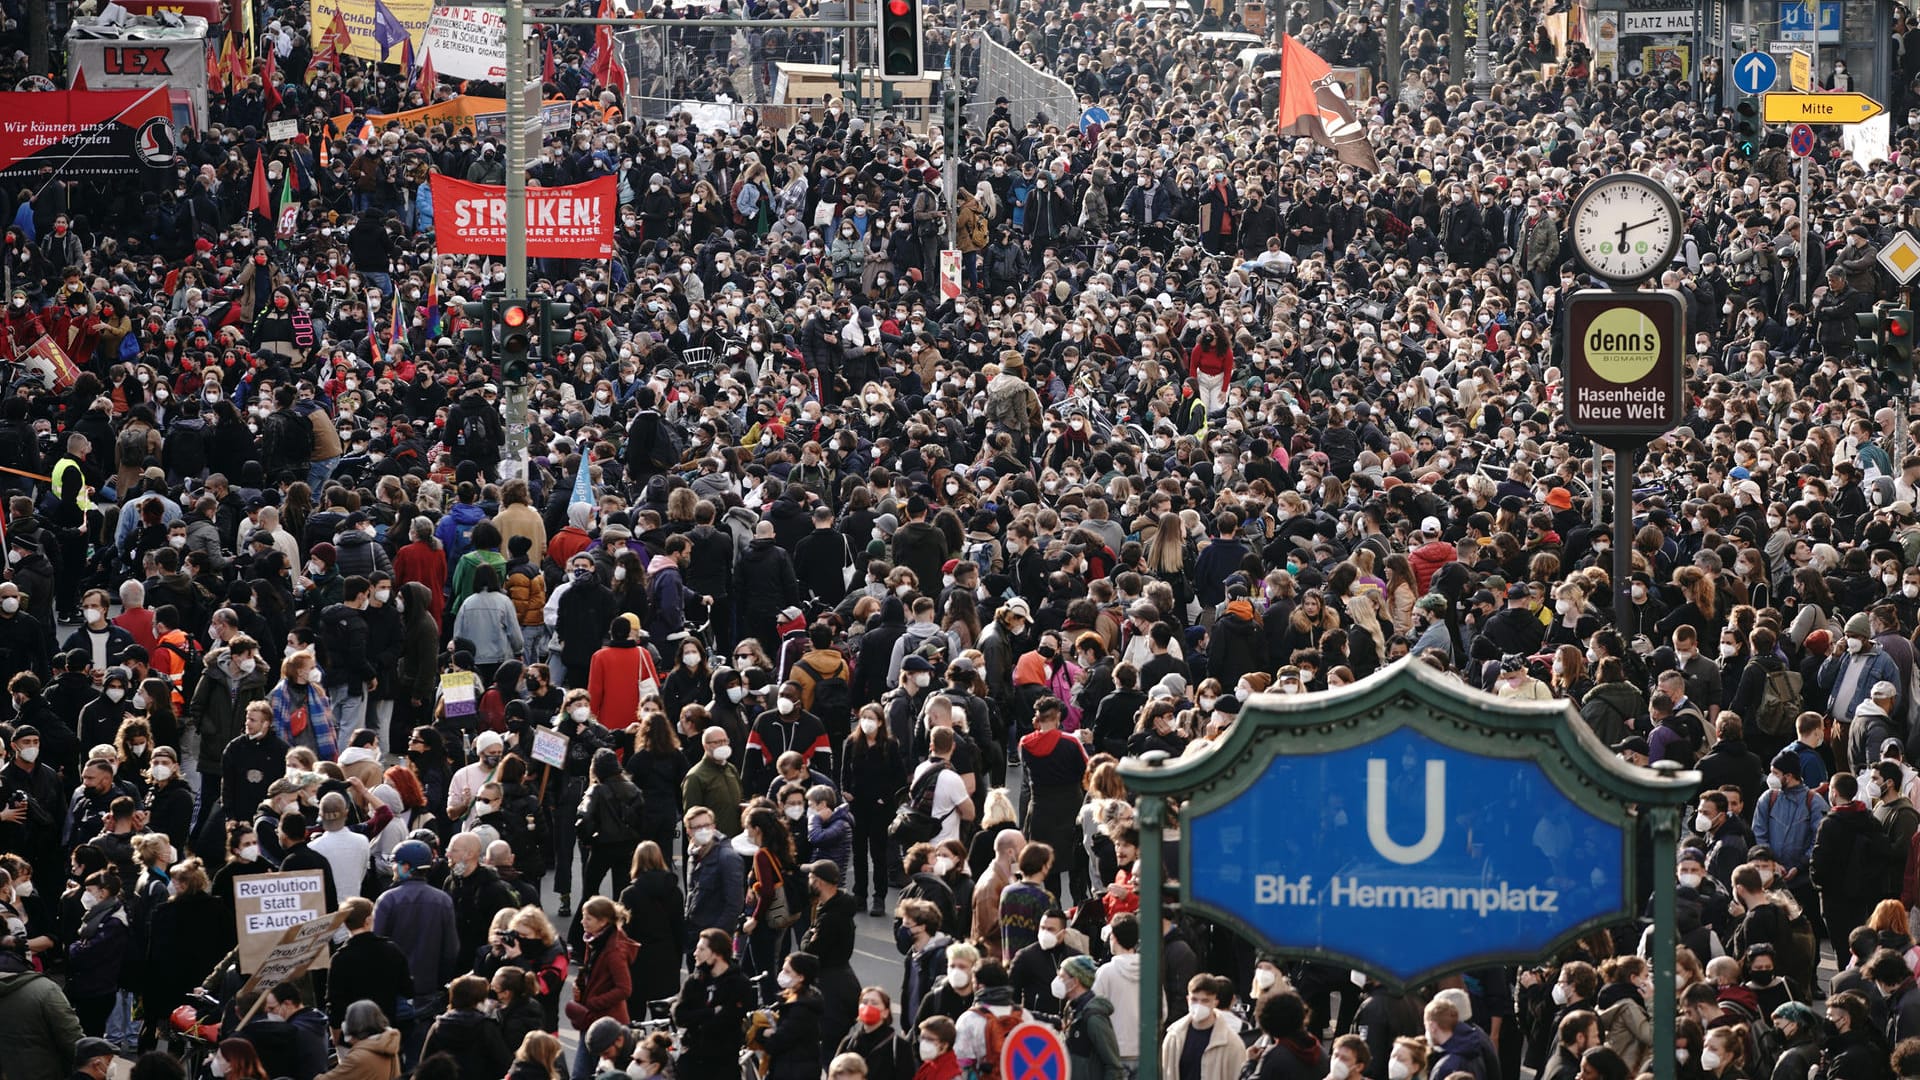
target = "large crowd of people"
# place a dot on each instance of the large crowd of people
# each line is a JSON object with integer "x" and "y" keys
{"x": 845, "y": 599}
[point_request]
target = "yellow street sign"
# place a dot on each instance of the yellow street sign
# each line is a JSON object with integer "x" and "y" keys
{"x": 1818, "y": 108}
{"x": 1800, "y": 70}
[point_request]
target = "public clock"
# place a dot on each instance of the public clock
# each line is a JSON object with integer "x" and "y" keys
{"x": 1626, "y": 228}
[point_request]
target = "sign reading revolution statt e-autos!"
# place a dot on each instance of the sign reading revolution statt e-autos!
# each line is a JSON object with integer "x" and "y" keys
{"x": 1625, "y": 378}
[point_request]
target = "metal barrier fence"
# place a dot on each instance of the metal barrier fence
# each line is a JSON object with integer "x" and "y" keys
{"x": 1028, "y": 90}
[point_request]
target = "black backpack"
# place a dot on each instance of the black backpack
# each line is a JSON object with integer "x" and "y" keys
{"x": 832, "y": 695}
{"x": 473, "y": 432}
{"x": 914, "y": 822}
{"x": 192, "y": 665}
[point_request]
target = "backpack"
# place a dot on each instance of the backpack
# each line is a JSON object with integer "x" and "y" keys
{"x": 980, "y": 553}
{"x": 914, "y": 822}
{"x": 832, "y": 695}
{"x": 789, "y": 899}
{"x": 935, "y": 651}
{"x": 997, "y": 1030}
{"x": 1780, "y": 703}
{"x": 473, "y": 432}
{"x": 192, "y": 665}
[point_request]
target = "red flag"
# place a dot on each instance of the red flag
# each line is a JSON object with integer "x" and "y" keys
{"x": 608, "y": 71}
{"x": 261, "y": 201}
{"x": 216, "y": 71}
{"x": 236, "y": 66}
{"x": 338, "y": 35}
{"x": 1313, "y": 103}
{"x": 406, "y": 55}
{"x": 428, "y": 78}
{"x": 546, "y": 65}
{"x": 269, "y": 68}
{"x": 79, "y": 76}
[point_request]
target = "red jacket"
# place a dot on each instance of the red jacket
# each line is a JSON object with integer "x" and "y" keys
{"x": 426, "y": 564}
{"x": 1428, "y": 558}
{"x": 567, "y": 543}
{"x": 1204, "y": 361}
{"x": 944, "y": 1067}
{"x": 613, "y": 683}
{"x": 606, "y": 981}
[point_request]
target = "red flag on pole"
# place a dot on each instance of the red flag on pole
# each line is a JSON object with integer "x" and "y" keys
{"x": 261, "y": 201}
{"x": 79, "y": 76}
{"x": 428, "y": 78}
{"x": 338, "y": 35}
{"x": 268, "y": 68}
{"x": 546, "y": 65}
{"x": 406, "y": 55}
{"x": 1314, "y": 104}
{"x": 236, "y": 66}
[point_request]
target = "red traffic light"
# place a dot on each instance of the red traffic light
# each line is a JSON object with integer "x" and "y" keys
{"x": 1897, "y": 327}
{"x": 514, "y": 316}
{"x": 899, "y": 9}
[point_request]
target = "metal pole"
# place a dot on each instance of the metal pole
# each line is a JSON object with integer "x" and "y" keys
{"x": 1622, "y": 539}
{"x": 1482, "y": 81}
{"x": 1150, "y": 812}
{"x": 1902, "y": 419}
{"x": 1666, "y": 833}
{"x": 516, "y": 153}
{"x": 1598, "y": 500}
{"x": 1806, "y": 220}
{"x": 1393, "y": 49}
{"x": 513, "y": 398}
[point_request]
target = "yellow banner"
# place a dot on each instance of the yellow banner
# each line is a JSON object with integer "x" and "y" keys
{"x": 462, "y": 111}
{"x": 359, "y": 14}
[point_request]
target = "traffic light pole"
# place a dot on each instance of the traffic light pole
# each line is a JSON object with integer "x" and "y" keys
{"x": 1806, "y": 222}
{"x": 513, "y": 391}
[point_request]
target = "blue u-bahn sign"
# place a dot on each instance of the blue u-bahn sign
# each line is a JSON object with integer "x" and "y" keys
{"x": 1409, "y": 827}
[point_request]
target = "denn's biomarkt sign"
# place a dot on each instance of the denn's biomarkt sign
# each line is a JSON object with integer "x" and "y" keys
{"x": 1623, "y": 363}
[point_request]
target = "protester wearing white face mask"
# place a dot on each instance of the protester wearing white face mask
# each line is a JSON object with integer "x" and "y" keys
{"x": 1205, "y": 1044}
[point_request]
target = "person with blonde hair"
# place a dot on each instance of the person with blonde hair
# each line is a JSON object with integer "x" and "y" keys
{"x": 537, "y": 1058}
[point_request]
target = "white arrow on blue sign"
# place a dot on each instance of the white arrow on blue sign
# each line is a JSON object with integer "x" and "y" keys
{"x": 1094, "y": 115}
{"x": 1755, "y": 72}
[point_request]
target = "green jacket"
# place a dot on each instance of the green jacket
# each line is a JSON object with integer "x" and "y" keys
{"x": 716, "y": 787}
{"x": 463, "y": 576}
{"x": 219, "y": 706}
{"x": 40, "y": 1024}
{"x": 1093, "y": 1052}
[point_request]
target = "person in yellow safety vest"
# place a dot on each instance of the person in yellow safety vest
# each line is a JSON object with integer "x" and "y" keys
{"x": 73, "y": 518}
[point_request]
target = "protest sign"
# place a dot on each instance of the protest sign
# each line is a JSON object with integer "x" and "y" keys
{"x": 573, "y": 222}
{"x": 266, "y": 906}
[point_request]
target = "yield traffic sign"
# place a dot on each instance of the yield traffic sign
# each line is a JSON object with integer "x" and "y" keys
{"x": 1819, "y": 108}
{"x": 1755, "y": 73}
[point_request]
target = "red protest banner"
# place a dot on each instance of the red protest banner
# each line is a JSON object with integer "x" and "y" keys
{"x": 573, "y": 222}
{"x": 86, "y": 132}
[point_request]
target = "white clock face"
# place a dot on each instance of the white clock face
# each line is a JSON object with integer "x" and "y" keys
{"x": 1625, "y": 229}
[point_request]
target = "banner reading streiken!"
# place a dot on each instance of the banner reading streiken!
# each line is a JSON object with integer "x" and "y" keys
{"x": 574, "y": 222}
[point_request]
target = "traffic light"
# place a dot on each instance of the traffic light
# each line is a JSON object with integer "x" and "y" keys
{"x": 1897, "y": 351}
{"x": 556, "y": 329}
{"x": 901, "y": 40}
{"x": 516, "y": 338}
{"x": 1746, "y": 129}
{"x": 476, "y": 331}
{"x": 1868, "y": 343}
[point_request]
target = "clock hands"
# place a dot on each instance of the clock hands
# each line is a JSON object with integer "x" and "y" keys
{"x": 1626, "y": 228}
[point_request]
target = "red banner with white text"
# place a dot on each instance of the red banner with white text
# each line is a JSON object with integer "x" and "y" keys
{"x": 574, "y": 222}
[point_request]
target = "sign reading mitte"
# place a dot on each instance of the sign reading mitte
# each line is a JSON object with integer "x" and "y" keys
{"x": 1625, "y": 378}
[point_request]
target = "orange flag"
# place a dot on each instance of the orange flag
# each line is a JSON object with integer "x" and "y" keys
{"x": 1314, "y": 104}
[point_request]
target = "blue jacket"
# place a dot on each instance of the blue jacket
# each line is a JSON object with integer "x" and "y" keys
{"x": 420, "y": 919}
{"x": 833, "y": 838}
{"x": 456, "y": 529}
{"x": 1879, "y": 667}
{"x": 1786, "y": 822}
{"x": 716, "y": 889}
{"x": 99, "y": 951}
{"x": 1467, "y": 1050}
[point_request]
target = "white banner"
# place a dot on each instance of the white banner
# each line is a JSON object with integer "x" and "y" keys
{"x": 1867, "y": 141}
{"x": 1656, "y": 22}
{"x": 467, "y": 43}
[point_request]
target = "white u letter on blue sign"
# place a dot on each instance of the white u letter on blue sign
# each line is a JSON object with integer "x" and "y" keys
{"x": 1436, "y": 823}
